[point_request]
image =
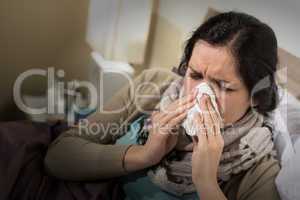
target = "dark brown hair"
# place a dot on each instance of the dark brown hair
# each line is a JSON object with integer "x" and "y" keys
{"x": 254, "y": 46}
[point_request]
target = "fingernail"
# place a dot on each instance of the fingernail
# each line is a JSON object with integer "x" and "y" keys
{"x": 202, "y": 102}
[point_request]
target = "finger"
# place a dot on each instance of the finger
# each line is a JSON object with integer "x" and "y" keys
{"x": 214, "y": 117}
{"x": 169, "y": 116}
{"x": 201, "y": 130}
{"x": 182, "y": 101}
{"x": 176, "y": 107}
{"x": 178, "y": 119}
{"x": 154, "y": 113}
{"x": 208, "y": 123}
{"x": 217, "y": 138}
{"x": 170, "y": 121}
{"x": 156, "y": 117}
{"x": 220, "y": 140}
{"x": 163, "y": 119}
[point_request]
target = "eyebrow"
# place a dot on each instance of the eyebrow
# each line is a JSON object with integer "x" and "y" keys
{"x": 213, "y": 79}
{"x": 199, "y": 73}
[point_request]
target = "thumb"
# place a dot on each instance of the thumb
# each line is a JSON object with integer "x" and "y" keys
{"x": 189, "y": 147}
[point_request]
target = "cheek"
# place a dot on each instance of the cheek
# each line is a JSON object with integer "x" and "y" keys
{"x": 234, "y": 106}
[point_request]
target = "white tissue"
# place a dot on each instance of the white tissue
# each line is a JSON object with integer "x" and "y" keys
{"x": 188, "y": 124}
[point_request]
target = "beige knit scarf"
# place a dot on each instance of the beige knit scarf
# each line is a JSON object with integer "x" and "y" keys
{"x": 246, "y": 142}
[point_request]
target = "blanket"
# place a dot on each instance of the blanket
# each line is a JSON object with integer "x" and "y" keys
{"x": 23, "y": 146}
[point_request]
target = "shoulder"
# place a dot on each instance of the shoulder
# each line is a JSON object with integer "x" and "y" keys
{"x": 259, "y": 181}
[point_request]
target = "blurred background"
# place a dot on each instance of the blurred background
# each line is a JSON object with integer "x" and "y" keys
{"x": 82, "y": 37}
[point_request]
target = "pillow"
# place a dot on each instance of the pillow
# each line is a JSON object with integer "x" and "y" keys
{"x": 282, "y": 140}
{"x": 288, "y": 179}
{"x": 287, "y": 122}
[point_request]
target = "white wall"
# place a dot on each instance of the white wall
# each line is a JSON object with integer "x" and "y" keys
{"x": 176, "y": 19}
{"x": 282, "y": 16}
{"x": 39, "y": 34}
{"x": 118, "y": 29}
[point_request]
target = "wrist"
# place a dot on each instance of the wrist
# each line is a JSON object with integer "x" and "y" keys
{"x": 210, "y": 191}
{"x": 149, "y": 157}
{"x": 135, "y": 158}
{"x": 205, "y": 186}
{"x": 208, "y": 184}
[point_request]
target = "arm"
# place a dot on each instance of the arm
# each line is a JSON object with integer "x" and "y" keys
{"x": 74, "y": 158}
{"x": 210, "y": 192}
{"x": 208, "y": 147}
{"x": 81, "y": 155}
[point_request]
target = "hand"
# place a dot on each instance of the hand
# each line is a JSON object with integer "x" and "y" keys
{"x": 163, "y": 135}
{"x": 208, "y": 146}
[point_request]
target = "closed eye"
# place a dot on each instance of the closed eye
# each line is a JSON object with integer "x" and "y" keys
{"x": 222, "y": 86}
{"x": 196, "y": 76}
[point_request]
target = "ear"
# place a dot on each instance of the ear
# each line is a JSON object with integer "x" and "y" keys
{"x": 252, "y": 102}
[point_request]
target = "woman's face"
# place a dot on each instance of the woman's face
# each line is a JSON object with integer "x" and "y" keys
{"x": 216, "y": 66}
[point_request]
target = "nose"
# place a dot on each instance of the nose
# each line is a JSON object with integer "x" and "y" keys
{"x": 213, "y": 88}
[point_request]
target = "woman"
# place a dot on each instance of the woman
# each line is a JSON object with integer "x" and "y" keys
{"x": 233, "y": 53}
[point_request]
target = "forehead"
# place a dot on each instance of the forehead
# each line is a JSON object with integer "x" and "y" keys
{"x": 216, "y": 62}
